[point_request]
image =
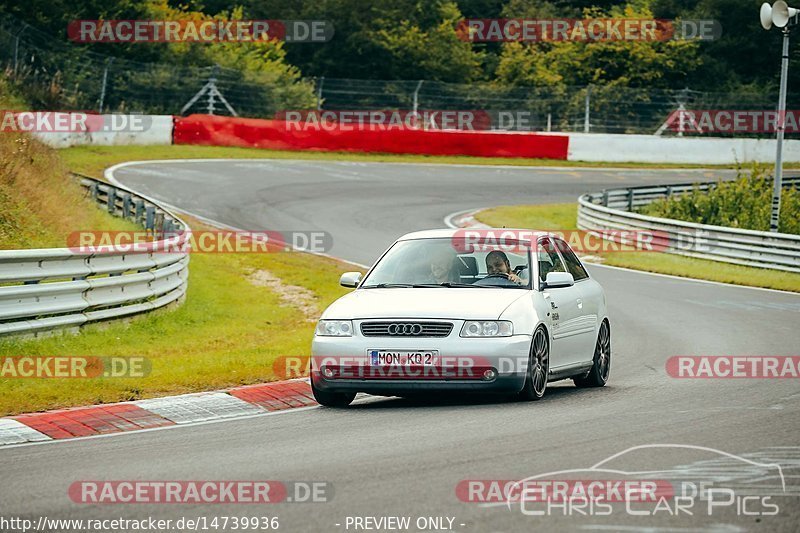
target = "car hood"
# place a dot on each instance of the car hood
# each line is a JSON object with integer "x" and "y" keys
{"x": 453, "y": 303}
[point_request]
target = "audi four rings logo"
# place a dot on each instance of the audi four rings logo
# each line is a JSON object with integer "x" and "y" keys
{"x": 405, "y": 329}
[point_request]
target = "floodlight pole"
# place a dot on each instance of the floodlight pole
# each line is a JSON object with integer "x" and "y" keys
{"x": 776, "y": 192}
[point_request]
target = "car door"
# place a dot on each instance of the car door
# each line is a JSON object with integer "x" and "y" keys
{"x": 589, "y": 303}
{"x": 566, "y": 348}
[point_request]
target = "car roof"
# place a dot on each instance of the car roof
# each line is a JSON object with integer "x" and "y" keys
{"x": 489, "y": 233}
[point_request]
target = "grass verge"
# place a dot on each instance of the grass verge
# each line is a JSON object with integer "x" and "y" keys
{"x": 564, "y": 216}
{"x": 93, "y": 159}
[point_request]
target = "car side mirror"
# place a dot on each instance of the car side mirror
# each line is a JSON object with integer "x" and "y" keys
{"x": 558, "y": 279}
{"x": 350, "y": 279}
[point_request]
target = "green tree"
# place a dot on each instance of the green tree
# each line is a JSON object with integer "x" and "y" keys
{"x": 436, "y": 54}
{"x": 745, "y": 56}
{"x": 379, "y": 39}
{"x": 607, "y": 63}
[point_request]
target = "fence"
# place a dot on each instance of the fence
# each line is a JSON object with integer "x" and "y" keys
{"x": 59, "y": 75}
{"x": 612, "y": 210}
{"x": 47, "y": 289}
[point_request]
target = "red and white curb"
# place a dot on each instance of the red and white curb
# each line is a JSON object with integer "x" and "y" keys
{"x": 464, "y": 219}
{"x": 156, "y": 412}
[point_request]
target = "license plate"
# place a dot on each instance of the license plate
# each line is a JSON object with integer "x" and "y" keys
{"x": 403, "y": 357}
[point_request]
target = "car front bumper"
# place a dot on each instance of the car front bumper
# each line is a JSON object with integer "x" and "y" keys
{"x": 463, "y": 362}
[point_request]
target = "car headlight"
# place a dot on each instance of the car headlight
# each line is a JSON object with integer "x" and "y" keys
{"x": 487, "y": 328}
{"x": 335, "y": 328}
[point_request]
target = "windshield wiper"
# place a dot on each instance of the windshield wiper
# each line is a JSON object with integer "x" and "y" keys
{"x": 446, "y": 284}
{"x": 418, "y": 285}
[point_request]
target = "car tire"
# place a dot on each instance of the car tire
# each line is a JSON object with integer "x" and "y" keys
{"x": 601, "y": 364}
{"x": 332, "y": 399}
{"x": 538, "y": 367}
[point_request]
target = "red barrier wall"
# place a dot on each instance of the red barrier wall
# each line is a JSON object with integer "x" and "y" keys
{"x": 273, "y": 134}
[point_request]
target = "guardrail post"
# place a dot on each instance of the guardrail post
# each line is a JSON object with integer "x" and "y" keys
{"x": 137, "y": 217}
{"x": 605, "y": 197}
{"x": 126, "y": 206}
{"x": 149, "y": 217}
{"x": 159, "y": 224}
{"x": 669, "y": 191}
{"x": 112, "y": 200}
{"x": 630, "y": 199}
{"x": 93, "y": 190}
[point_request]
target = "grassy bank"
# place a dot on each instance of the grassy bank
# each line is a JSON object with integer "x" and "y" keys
{"x": 38, "y": 199}
{"x": 564, "y": 216}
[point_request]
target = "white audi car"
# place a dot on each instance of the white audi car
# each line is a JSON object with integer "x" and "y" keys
{"x": 494, "y": 311}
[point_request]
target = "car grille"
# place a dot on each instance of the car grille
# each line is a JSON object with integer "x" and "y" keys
{"x": 406, "y": 329}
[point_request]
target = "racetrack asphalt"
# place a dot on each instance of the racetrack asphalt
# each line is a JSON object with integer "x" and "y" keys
{"x": 405, "y": 458}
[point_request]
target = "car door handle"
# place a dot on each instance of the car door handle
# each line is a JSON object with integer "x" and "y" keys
{"x": 580, "y": 303}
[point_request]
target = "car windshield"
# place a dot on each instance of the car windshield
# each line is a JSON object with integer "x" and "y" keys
{"x": 449, "y": 262}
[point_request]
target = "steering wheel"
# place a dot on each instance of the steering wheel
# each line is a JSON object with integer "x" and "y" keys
{"x": 502, "y": 280}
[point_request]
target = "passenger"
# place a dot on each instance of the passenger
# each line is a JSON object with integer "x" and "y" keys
{"x": 443, "y": 267}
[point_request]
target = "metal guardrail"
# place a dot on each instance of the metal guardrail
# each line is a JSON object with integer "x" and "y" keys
{"x": 612, "y": 210}
{"x": 53, "y": 288}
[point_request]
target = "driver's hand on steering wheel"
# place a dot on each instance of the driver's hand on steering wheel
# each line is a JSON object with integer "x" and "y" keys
{"x": 513, "y": 277}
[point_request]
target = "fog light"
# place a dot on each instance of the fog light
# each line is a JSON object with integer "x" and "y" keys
{"x": 327, "y": 371}
{"x": 489, "y": 375}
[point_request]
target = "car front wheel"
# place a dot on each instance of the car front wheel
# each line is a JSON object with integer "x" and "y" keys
{"x": 332, "y": 399}
{"x": 538, "y": 367}
{"x": 601, "y": 365}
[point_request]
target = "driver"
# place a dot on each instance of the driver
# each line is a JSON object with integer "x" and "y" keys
{"x": 497, "y": 264}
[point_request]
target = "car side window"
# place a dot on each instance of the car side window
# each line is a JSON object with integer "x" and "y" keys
{"x": 548, "y": 258}
{"x": 573, "y": 263}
